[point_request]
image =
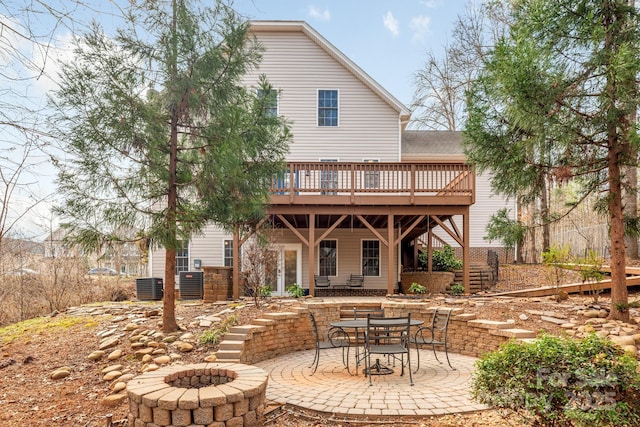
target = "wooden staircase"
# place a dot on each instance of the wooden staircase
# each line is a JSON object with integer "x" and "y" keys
{"x": 481, "y": 278}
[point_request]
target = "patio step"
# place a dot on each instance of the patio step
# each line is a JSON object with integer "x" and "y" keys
{"x": 228, "y": 344}
{"x": 228, "y": 356}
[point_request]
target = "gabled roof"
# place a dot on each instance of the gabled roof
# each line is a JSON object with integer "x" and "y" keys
{"x": 301, "y": 26}
{"x": 432, "y": 145}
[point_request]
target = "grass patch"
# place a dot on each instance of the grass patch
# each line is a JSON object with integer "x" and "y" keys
{"x": 212, "y": 336}
{"x": 39, "y": 325}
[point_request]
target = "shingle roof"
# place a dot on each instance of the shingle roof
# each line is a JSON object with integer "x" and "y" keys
{"x": 429, "y": 143}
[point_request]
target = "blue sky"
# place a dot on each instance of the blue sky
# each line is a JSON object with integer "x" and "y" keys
{"x": 388, "y": 39}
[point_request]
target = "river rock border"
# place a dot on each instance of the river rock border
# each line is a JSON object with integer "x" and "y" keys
{"x": 205, "y": 394}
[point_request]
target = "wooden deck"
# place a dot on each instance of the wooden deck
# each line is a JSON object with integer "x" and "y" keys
{"x": 362, "y": 184}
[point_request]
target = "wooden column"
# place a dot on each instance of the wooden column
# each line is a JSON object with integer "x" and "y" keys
{"x": 312, "y": 253}
{"x": 466, "y": 253}
{"x": 429, "y": 249}
{"x": 391, "y": 268}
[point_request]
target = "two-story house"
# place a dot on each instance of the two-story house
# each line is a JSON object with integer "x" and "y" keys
{"x": 359, "y": 190}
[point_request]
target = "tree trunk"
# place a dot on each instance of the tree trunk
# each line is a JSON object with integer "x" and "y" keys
{"x": 168, "y": 308}
{"x": 619, "y": 294}
{"x": 544, "y": 215}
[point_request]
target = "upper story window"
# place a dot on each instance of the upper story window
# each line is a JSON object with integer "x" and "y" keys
{"x": 327, "y": 107}
{"x": 272, "y": 101}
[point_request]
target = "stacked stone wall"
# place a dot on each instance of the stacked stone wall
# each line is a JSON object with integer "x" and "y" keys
{"x": 281, "y": 333}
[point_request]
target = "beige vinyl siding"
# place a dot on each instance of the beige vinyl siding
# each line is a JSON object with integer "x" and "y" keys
{"x": 487, "y": 204}
{"x": 349, "y": 255}
{"x": 207, "y": 247}
{"x": 367, "y": 124}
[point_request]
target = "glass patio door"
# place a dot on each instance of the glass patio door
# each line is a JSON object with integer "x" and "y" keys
{"x": 288, "y": 261}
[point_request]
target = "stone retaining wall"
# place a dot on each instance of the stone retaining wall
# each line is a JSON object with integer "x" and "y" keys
{"x": 281, "y": 333}
{"x": 206, "y": 394}
{"x": 436, "y": 282}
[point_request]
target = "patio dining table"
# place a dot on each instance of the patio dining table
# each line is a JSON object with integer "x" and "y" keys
{"x": 357, "y": 325}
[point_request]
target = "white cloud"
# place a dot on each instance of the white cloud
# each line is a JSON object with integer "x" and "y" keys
{"x": 432, "y": 4}
{"x": 420, "y": 27}
{"x": 322, "y": 15}
{"x": 391, "y": 23}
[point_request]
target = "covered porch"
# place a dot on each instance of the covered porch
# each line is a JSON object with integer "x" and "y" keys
{"x": 399, "y": 204}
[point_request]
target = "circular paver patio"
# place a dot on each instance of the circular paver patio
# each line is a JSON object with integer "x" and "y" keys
{"x": 437, "y": 389}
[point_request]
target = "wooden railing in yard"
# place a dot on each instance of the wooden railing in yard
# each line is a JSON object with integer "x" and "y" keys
{"x": 358, "y": 180}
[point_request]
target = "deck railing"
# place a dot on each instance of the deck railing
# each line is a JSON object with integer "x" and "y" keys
{"x": 370, "y": 179}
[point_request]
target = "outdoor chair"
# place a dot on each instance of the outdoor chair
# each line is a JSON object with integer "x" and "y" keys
{"x": 434, "y": 335}
{"x": 355, "y": 281}
{"x": 388, "y": 336}
{"x": 322, "y": 281}
{"x": 338, "y": 338}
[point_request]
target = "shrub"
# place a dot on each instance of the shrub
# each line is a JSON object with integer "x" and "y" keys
{"x": 561, "y": 382}
{"x": 295, "y": 290}
{"x": 417, "y": 288}
{"x": 442, "y": 259}
{"x": 456, "y": 289}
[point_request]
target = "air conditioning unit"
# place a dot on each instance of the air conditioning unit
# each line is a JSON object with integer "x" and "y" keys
{"x": 191, "y": 285}
{"x": 149, "y": 289}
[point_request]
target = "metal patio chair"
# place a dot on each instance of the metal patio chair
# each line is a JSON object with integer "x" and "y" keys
{"x": 322, "y": 281}
{"x": 355, "y": 281}
{"x": 434, "y": 335}
{"x": 338, "y": 338}
{"x": 388, "y": 336}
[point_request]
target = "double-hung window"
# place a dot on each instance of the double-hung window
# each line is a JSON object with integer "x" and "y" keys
{"x": 328, "y": 258}
{"x": 327, "y": 107}
{"x": 182, "y": 256}
{"x": 228, "y": 253}
{"x": 271, "y": 100}
{"x": 328, "y": 177}
{"x": 371, "y": 258}
{"x": 371, "y": 177}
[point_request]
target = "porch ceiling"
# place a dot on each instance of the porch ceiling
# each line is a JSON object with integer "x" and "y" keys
{"x": 324, "y": 221}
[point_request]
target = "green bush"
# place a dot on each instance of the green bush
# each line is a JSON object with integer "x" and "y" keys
{"x": 417, "y": 288}
{"x": 295, "y": 290}
{"x": 561, "y": 382}
{"x": 442, "y": 259}
{"x": 445, "y": 259}
{"x": 456, "y": 289}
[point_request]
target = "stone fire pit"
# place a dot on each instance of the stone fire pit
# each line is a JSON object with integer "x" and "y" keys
{"x": 228, "y": 394}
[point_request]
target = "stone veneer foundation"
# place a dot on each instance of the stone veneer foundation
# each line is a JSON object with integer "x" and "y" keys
{"x": 205, "y": 394}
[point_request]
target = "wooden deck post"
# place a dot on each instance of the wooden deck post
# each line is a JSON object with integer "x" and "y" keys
{"x": 312, "y": 253}
{"x": 391, "y": 276}
{"x": 466, "y": 253}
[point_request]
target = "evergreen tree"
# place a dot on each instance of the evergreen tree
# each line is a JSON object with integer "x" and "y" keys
{"x": 160, "y": 132}
{"x": 555, "y": 98}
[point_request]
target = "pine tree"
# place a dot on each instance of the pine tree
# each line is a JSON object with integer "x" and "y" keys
{"x": 160, "y": 132}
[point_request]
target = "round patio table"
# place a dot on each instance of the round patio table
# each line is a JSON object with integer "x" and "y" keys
{"x": 357, "y": 324}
